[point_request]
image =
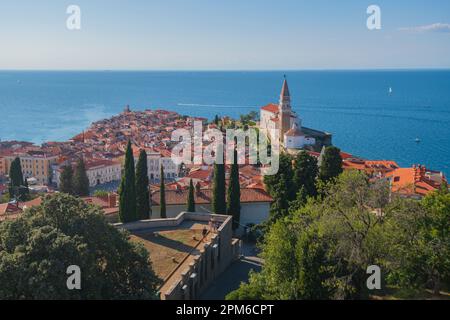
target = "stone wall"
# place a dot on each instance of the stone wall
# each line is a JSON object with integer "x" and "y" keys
{"x": 213, "y": 259}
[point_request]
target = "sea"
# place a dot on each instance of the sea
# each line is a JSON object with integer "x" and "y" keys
{"x": 385, "y": 115}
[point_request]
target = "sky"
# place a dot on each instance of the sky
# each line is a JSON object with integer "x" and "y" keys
{"x": 224, "y": 35}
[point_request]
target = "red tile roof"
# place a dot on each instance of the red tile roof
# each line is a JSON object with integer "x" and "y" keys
{"x": 204, "y": 196}
{"x": 413, "y": 181}
{"x": 272, "y": 107}
{"x": 9, "y": 211}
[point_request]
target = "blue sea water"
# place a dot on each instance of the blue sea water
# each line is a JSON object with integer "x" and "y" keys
{"x": 355, "y": 106}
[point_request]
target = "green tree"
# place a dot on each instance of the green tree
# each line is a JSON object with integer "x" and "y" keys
{"x": 219, "y": 205}
{"x": 421, "y": 244}
{"x": 285, "y": 173}
{"x": 234, "y": 193}
{"x": 26, "y": 189}
{"x": 322, "y": 250}
{"x": 300, "y": 200}
{"x": 80, "y": 180}
{"x": 281, "y": 204}
{"x": 162, "y": 195}
{"x": 331, "y": 166}
{"x": 191, "y": 198}
{"x": 37, "y": 248}
{"x": 142, "y": 187}
{"x": 16, "y": 179}
{"x": 305, "y": 173}
{"x": 127, "y": 190}
{"x": 66, "y": 180}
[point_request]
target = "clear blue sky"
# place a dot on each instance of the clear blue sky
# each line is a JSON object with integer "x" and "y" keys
{"x": 224, "y": 34}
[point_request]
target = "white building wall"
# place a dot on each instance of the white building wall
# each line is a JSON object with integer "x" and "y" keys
{"x": 101, "y": 175}
{"x": 154, "y": 161}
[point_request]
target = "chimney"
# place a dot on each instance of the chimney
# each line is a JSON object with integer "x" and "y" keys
{"x": 112, "y": 200}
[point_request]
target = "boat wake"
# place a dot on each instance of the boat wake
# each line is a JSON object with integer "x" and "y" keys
{"x": 213, "y": 106}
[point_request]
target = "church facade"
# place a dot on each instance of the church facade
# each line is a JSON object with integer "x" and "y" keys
{"x": 292, "y": 135}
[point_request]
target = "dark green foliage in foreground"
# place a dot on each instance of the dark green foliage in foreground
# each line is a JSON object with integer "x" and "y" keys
{"x": 294, "y": 182}
{"x": 322, "y": 250}
{"x": 331, "y": 166}
{"x": 37, "y": 248}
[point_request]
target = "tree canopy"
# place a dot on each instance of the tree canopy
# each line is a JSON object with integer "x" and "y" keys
{"x": 331, "y": 164}
{"x": 219, "y": 205}
{"x": 127, "y": 189}
{"x": 162, "y": 195}
{"x": 191, "y": 199}
{"x": 37, "y": 248}
{"x": 142, "y": 187}
{"x": 80, "y": 180}
{"x": 322, "y": 250}
{"x": 234, "y": 193}
{"x": 17, "y": 187}
{"x": 66, "y": 180}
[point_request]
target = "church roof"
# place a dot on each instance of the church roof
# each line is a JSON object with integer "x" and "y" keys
{"x": 272, "y": 107}
{"x": 294, "y": 131}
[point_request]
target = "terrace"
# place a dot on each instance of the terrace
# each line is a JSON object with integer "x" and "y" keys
{"x": 170, "y": 248}
{"x": 181, "y": 257}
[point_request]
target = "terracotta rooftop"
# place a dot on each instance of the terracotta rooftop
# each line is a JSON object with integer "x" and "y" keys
{"x": 204, "y": 196}
{"x": 272, "y": 107}
{"x": 415, "y": 180}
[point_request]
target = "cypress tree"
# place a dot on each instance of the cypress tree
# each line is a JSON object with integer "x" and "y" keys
{"x": 142, "y": 190}
{"x": 127, "y": 190}
{"x": 234, "y": 194}
{"x": 331, "y": 166}
{"x": 16, "y": 179}
{"x": 25, "y": 190}
{"x": 66, "y": 180}
{"x": 80, "y": 180}
{"x": 218, "y": 202}
{"x": 191, "y": 199}
{"x": 162, "y": 195}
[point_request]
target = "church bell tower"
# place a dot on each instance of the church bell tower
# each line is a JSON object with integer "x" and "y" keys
{"x": 284, "y": 109}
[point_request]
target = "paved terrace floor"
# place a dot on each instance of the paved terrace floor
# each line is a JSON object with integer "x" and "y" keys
{"x": 172, "y": 249}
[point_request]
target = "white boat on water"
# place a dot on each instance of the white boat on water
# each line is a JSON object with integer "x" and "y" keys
{"x": 390, "y": 90}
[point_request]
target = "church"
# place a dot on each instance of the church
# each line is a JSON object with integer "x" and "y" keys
{"x": 281, "y": 117}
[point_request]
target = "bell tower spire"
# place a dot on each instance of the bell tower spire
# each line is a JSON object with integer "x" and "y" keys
{"x": 284, "y": 109}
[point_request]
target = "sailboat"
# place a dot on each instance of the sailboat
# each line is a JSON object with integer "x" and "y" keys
{"x": 390, "y": 90}
{"x": 418, "y": 140}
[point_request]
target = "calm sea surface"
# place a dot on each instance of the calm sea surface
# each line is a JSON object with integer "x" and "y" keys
{"x": 353, "y": 105}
